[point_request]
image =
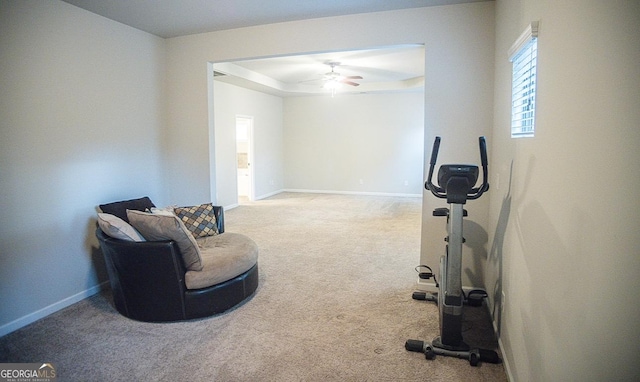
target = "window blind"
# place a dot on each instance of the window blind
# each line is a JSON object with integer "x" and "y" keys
{"x": 524, "y": 55}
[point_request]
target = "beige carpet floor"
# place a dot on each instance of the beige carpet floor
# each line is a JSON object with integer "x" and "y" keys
{"x": 334, "y": 304}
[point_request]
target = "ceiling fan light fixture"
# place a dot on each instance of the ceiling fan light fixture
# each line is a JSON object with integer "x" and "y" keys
{"x": 332, "y": 85}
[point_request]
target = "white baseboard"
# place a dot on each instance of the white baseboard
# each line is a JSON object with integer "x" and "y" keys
{"x": 505, "y": 360}
{"x": 430, "y": 286}
{"x": 35, "y": 316}
{"x": 306, "y": 191}
{"x": 426, "y": 286}
{"x": 269, "y": 194}
{"x": 230, "y": 207}
{"x": 364, "y": 193}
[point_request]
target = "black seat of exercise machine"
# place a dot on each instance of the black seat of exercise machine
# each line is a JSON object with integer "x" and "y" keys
{"x": 444, "y": 211}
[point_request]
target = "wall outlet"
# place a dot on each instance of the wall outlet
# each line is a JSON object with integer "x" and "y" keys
{"x": 406, "y": 182}
{"x": 361, "y": 181}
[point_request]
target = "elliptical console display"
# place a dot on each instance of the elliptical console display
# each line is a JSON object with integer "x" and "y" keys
{"x": 456, "y": 184}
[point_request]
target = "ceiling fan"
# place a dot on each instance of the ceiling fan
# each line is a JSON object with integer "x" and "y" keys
{"x": 335, "y": 78}
{"x": 332, "y": 80}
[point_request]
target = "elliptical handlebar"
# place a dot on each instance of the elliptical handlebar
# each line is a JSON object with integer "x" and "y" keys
{"x": 434, "y": 152}
{"x": 437, "y": 191}
{"x": 483, "y": 151}
{"x": 475, "y": 192}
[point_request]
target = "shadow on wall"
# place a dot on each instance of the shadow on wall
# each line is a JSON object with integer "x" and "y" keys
{"x": 548, "y": 311}
{"x": 92, "y": 248}
{"x": 477, "y": 238}
{"x": 496, "y": 253}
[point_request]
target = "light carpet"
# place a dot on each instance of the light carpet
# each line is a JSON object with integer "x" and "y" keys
{"x": 334, "y": 304}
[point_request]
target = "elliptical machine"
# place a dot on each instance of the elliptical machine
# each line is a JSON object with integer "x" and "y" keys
{"x": 456, "y": 184}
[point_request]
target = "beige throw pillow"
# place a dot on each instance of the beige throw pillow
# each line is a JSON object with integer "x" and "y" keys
{"x": 156, "y": 227}
{"x": 118, "y": 228}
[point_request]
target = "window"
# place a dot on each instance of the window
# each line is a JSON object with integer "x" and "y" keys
{"x": 523, "y": 54}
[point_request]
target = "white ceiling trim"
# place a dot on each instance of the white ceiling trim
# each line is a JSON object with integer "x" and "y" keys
{"x": 389, "y": 69}
{"x": 237, "y": 75}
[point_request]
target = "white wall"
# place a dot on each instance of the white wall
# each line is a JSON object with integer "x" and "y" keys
{"x": 81, "y": 115}
{"x": 266, "y": 110}
{"x": 565, "y": 244}
{"x": 322, "y": 143}
{"x": 458, "y": 40}
{"x": 333, "y": 143}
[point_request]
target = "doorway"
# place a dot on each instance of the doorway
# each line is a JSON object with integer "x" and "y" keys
{"x": 244, "y": 155}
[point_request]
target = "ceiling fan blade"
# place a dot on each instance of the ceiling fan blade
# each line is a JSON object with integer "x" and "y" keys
{"x": 350, "y": 83}
{"x": 353, "y": 77}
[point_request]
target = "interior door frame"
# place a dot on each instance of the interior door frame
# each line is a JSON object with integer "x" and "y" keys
{"x": 248, "y": 119}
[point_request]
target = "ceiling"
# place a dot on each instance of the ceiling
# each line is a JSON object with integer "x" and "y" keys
{"x": 172, "y": 18}
{"x": 383, "y": 70}
{"x": 387, "y": 69}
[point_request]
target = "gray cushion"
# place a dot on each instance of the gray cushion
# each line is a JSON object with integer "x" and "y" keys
{"x": 224, "y": 257}
{"x": 118, "y": 228}
{"x": 156, "y": 227}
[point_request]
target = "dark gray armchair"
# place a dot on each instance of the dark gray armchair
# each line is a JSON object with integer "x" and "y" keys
{"x": 148, "y": 278}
